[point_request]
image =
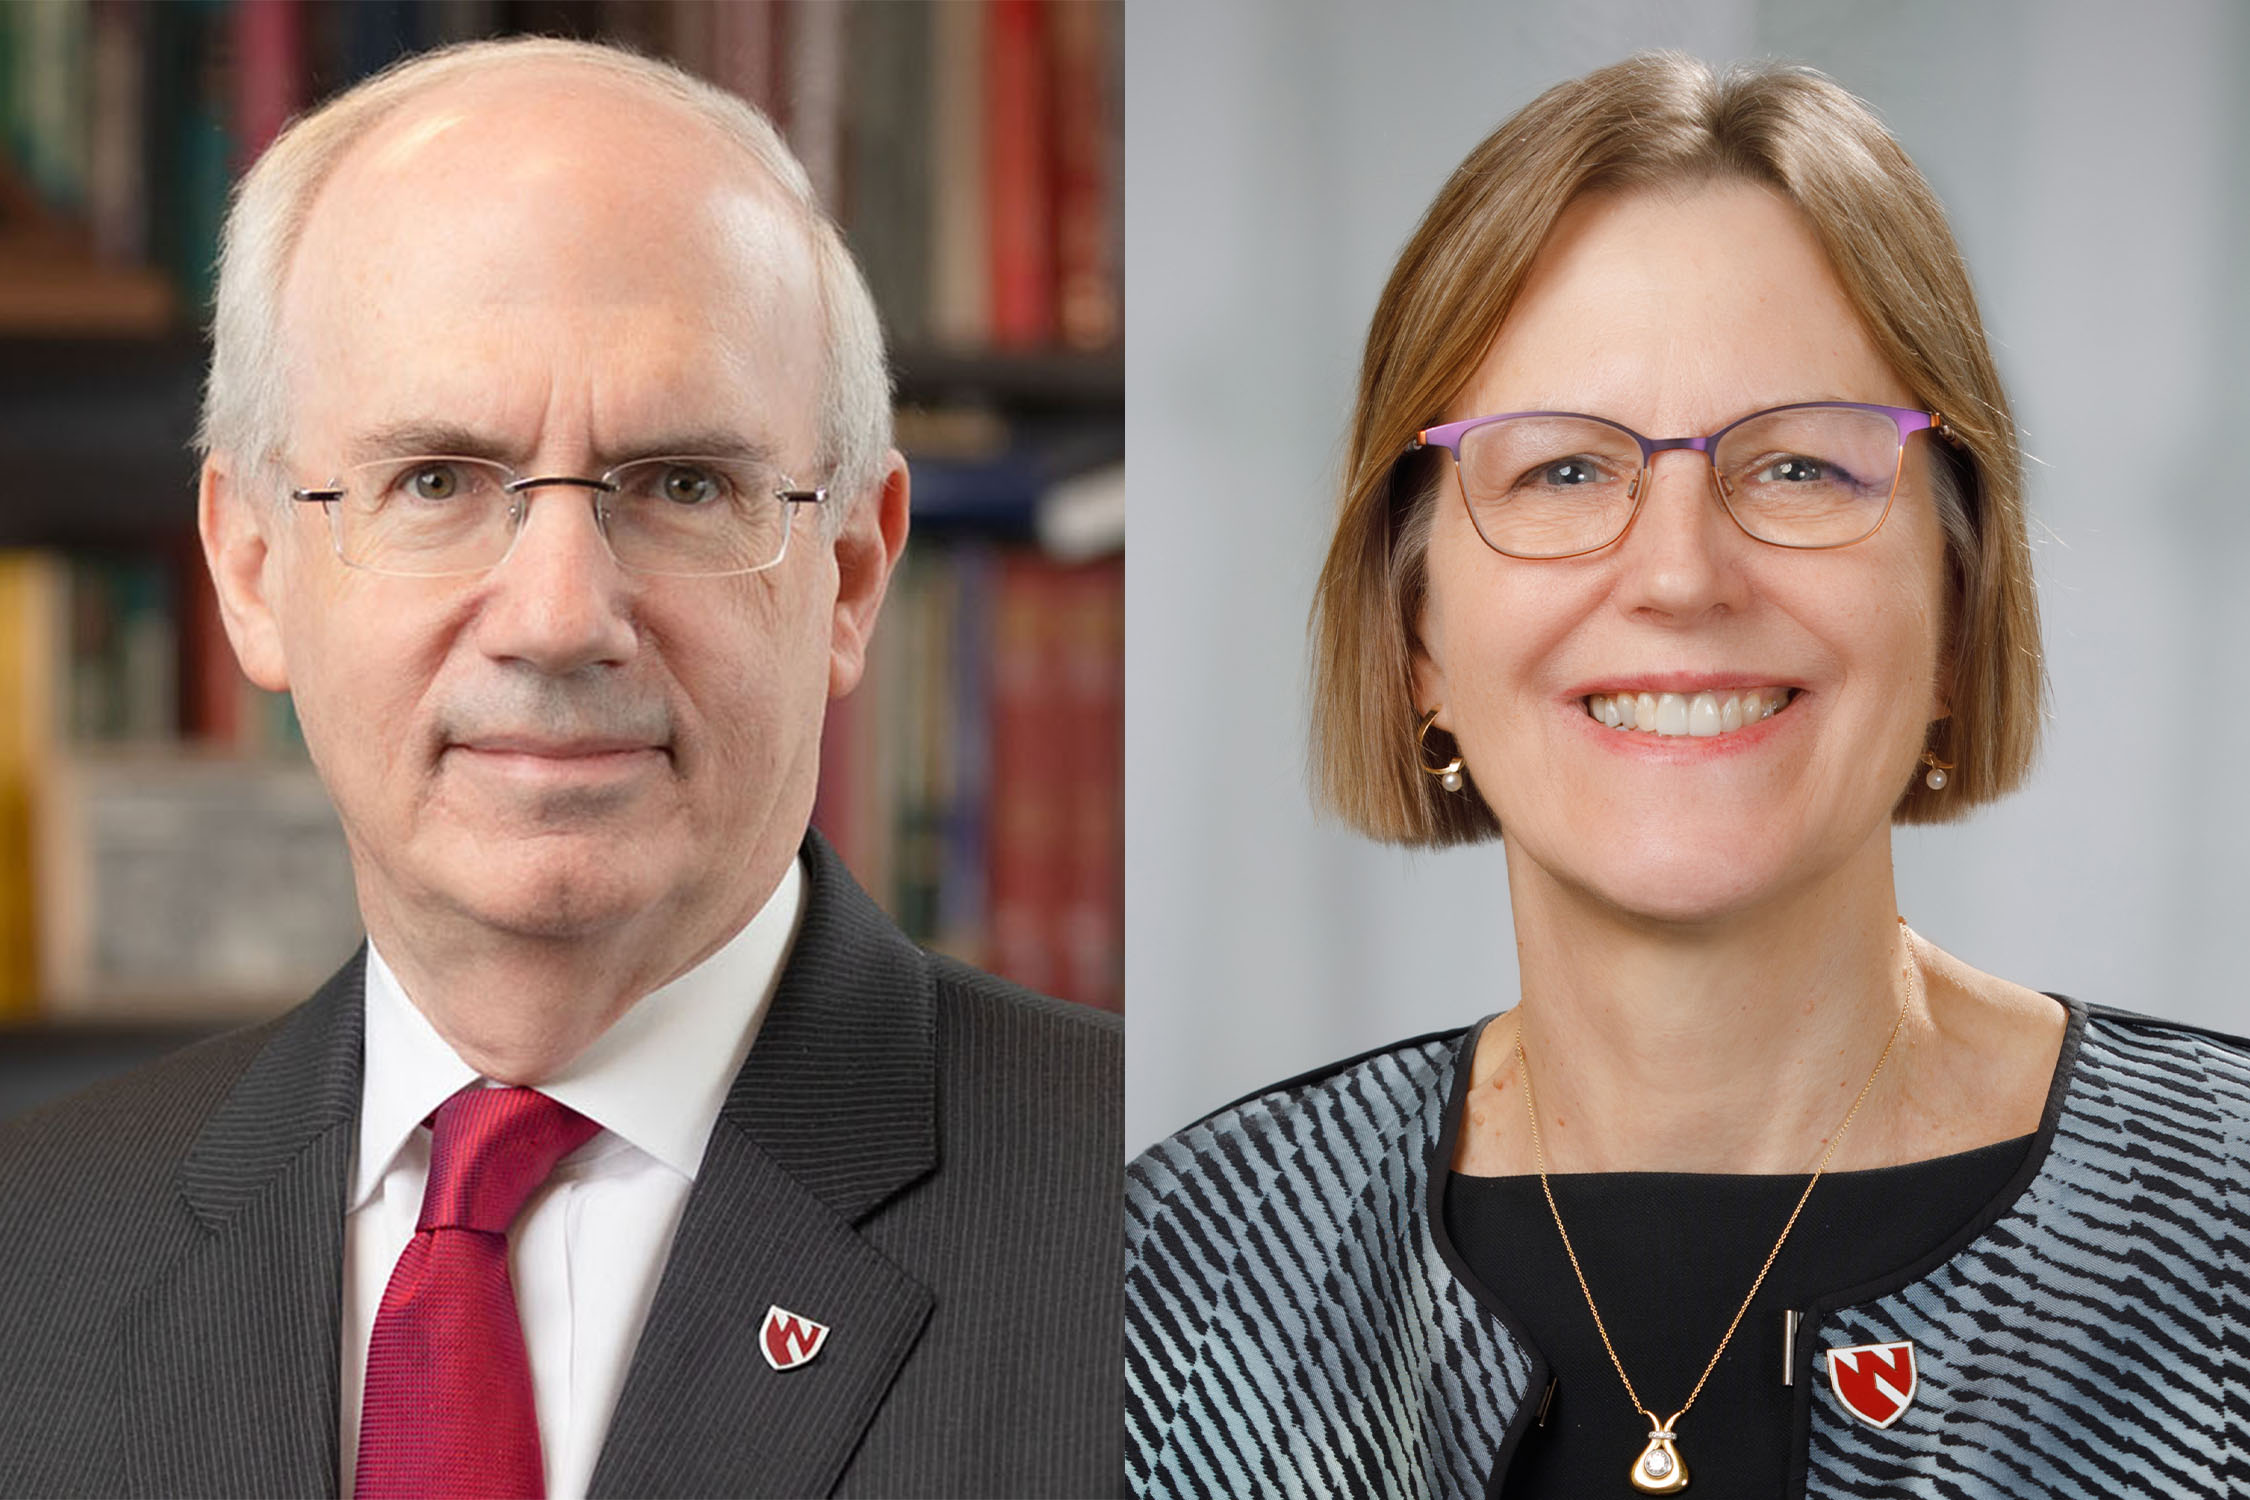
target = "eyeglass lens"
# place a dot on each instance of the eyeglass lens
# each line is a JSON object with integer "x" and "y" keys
{"x": 1555, "y": 486}
{"x": 431, "y": 517}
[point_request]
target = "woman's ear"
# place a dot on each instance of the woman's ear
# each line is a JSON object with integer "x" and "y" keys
{"x": 1428, "y": 675}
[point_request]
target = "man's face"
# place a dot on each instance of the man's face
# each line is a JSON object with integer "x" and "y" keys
{"x": 567, "y": 276}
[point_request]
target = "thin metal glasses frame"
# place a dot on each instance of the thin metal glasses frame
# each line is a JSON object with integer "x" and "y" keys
{"x": 333, "y": 494}
{"x": 1449, "y": 436}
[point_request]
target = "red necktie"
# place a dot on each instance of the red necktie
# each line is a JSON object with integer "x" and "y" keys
{"x": 448, "y": 1409}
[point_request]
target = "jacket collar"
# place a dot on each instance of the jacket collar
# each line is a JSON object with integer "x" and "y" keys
{"x": 841, "y": 1088}
{"x": 229, "y": 1365}
{"x": 302, "y": 1086}
{"x": 834, "y": 1113}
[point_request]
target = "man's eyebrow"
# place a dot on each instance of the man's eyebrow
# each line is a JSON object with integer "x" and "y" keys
{"x": 415, "y": 439}
{"x": 418, "y": 438}
{"x": 708, "y": 442}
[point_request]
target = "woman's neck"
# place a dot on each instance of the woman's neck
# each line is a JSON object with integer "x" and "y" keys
{"x": 1733, "y": 1045}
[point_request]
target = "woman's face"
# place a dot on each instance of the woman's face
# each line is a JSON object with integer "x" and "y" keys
{"x": 1674, "y": 314}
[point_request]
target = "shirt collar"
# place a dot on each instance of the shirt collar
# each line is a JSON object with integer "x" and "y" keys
{"x": 656, "y": 1078}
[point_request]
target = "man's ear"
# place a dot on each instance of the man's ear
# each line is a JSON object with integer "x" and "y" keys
{"x": 867, "y": 549}
{"x": 239, "y": 547}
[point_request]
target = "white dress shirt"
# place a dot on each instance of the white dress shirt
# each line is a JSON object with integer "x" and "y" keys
{"x": 586, "y": 1252}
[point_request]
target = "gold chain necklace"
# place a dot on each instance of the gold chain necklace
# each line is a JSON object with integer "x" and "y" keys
{"x": 1660, "y": 1470}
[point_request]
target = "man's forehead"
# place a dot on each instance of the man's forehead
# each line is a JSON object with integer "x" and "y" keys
{"x": 538, "y": 112}
{"x": 557, "y": 180}
{"x": 556, "y": 244}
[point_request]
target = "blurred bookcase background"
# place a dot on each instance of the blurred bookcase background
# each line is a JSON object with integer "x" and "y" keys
{"x": 167, "y": 863}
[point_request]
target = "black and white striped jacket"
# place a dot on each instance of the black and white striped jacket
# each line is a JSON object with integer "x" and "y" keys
{"x": 1295, "y": 1327}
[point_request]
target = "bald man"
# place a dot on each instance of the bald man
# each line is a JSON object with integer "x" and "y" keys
{"x": 548, "y": 467}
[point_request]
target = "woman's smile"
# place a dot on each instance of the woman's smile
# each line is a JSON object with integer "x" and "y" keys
{"x": 1699, "y": 715}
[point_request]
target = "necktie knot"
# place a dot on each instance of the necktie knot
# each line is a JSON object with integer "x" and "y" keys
{"x": 490, "y": 1149}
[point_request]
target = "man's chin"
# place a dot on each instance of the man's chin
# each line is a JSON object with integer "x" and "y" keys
{"x": 556, "y": 895}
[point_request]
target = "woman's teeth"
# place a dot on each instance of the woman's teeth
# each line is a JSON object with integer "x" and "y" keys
{"x": 1700, "y": 715}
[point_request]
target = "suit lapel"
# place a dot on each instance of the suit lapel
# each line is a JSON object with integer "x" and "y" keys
{"x": 230, "y": 1365}
{"x": 833, "y": 1114}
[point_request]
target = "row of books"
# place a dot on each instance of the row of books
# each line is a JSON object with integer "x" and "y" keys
{"x": 975, "y": 782}
{"x": 130, "y": 652}
{"x": 971, "y": 149}
{"x": 134, "y": 764}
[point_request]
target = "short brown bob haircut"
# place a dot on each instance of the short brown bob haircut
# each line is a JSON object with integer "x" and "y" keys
{"x": 1664, "y": 120}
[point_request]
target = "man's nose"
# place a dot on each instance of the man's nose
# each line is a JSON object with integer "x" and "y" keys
{"x": 1681, "y": 557}
{"x": 558, "y": 601}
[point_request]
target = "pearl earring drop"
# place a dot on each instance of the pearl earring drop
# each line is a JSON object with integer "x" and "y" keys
{"x": 1448, "y": 775}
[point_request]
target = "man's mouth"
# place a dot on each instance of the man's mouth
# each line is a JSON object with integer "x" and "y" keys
{"x": 1697, "y": 715}
{"x": 571, "y": 749}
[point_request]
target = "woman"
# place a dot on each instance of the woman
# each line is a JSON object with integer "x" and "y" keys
{"x": 1682, "y": 549}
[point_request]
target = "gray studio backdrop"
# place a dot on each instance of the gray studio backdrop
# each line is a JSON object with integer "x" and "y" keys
{"x": 2092, "y": 157}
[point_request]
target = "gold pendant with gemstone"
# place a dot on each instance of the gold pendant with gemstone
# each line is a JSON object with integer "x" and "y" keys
{"x": 1659, "y": 1470}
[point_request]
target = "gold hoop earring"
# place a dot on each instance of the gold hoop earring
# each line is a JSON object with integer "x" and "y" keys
{"x": 1935, "y": 778}
{"x": 1448, "y": 775}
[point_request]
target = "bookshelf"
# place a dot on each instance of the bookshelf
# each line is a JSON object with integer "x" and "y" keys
{"x": 998, "y": 650}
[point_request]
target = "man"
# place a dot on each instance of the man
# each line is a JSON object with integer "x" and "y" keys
{"x": 548, "y": 467}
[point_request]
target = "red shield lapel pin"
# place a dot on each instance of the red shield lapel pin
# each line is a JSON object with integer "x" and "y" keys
{"x": 1874, "y": 1381}
{"x": 790, "y": 1340}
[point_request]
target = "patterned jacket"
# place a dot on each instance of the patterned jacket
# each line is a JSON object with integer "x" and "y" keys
{"x": 1297, "y": 1323}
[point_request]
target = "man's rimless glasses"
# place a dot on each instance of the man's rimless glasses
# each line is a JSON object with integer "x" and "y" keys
{"x": 437, "y": 516}
{"x": 1549, "y": 484}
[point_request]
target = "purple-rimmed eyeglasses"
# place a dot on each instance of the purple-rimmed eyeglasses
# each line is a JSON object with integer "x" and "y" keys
{"x": 1549, "y": 484}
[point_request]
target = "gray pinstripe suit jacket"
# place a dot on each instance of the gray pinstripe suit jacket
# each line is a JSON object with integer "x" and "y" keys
{"x": 921, "y": 1156}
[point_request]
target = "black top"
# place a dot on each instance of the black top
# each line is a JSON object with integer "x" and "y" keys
{"x": 1669, "y": 1255}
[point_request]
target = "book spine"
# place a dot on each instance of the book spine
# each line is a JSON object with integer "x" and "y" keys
{"x": 31, "y": 649}
{"x": 746, "y": 54}
{"x": 92, "y": 681}
{"x": 270, "y": 81}
{"x": 1091, "y": 935}
{"x": 816, "y": 96}
{"x": 889, "y": 185}
{"x": 875, "y": 766}
{"x": 55, "y": 108}
{"x": 1017, "y": 180}
{"x": 147, "y": 652}
{"x": 689, "y": 33}
{"x": 920, "y": 788}
{"x": 1082, "y": 52}
{"x": 116, "y": 187}
{"x": 960, "y": 265}
{"x": 188, "y": 149}
{"x": 964, "y": 906}
{"x": 1026, "y": 778}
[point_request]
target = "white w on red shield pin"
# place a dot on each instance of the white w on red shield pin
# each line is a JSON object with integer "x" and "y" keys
{"x": 1874, "y": 1381}
{"x": 789, "y": 1340}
